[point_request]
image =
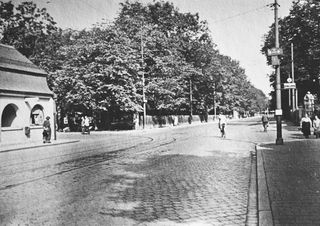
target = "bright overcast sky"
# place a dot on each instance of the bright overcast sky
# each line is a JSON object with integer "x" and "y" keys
{"x": 237, "y": 26}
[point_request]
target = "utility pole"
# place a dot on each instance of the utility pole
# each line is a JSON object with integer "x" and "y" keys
{"x": 290, "y": 97}
{"x": 190, "y": 92}
{"x": 294, "y": 91}
{"x": 294, "y": 106}
{"x": 143, "y": 81}
{"x": 215, "y": 101}
{"x": 278, "y": 111}
{"x": 214, "y": 104}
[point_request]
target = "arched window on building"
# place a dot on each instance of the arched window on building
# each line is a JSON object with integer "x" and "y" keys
{"x": 9, "y": 115}
{"x": 36, "y": 116}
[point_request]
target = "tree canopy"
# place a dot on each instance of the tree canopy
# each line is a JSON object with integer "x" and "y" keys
{"x": 301, "y": 28}
{"x": 26, "y": 27}
{"x": 101, "y": 68}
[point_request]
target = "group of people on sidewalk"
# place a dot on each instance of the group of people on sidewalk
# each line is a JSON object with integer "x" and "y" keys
{"x": 46, "y": 133}
{"x": 306, "y": 125}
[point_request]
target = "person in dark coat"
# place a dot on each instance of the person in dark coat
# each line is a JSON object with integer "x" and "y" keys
{"x": 222, "y": 125}
{"x": 46, "y": 130}
{"x": 305, "y": 125}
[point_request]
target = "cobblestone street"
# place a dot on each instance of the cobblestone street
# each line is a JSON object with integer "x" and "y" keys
{"x": 171, "y": 176}
{"x": 160, "y": 113}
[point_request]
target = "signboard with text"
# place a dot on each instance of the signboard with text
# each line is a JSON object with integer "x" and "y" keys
{"x": 278, "y": 112}
{"x": 290, "y": 85}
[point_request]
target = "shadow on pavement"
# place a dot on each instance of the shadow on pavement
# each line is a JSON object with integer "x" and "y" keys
{"x": 291, "y": 127}
{"x": 181, "y": 188}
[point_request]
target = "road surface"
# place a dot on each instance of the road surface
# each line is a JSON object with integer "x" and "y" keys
{"x": 185, "y": 175}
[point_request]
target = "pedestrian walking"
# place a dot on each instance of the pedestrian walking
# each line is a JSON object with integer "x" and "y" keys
{"x": 222, "y": 125}
{"x": 265, "y": 122}
{"x": 305, "y": 125}
{"x": 316, "y": 126}
{"x": 85, "y": 123}
{"x": 175, "y": 121}
{"x": 46, "y": 130}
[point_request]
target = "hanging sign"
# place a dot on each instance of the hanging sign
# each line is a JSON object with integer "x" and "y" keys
{"x": 275, "y": 52}
{"x": 290, "y": 85}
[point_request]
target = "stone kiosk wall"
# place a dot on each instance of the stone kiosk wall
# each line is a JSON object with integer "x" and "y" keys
{"x": 18, "y": 116}
{"x": 25, "y": 99}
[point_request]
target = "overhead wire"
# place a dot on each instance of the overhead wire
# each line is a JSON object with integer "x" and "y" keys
{"x": 240, "y": 14}
{"x": 216, "y": 21}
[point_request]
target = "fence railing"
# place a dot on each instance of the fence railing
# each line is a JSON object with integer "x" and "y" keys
{"x": 173, "y": 120}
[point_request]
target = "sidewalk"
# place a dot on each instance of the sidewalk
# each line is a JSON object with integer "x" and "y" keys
{"x": 288, "y": 178}
{"x": 33, "y": 144}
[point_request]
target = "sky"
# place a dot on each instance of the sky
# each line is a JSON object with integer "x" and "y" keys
{"x": 237, "y": 26}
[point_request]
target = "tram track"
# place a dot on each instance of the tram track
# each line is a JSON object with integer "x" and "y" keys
{"x": 83, "y": 162}
{"x": 91, "y": 156}
{"x": 89, "y": 149}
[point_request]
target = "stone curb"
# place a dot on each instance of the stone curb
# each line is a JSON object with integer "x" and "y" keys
{"x": 264, "y": 209}
{"x": 252, "y": 210}
{"x": 37, "y": 145}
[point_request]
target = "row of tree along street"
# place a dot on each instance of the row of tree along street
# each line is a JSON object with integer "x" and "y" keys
{"x": 100, "y": 69}
{"x": 302, "y": 29}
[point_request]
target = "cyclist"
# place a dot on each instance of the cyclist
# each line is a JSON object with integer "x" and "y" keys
{"x": 222, "y": 125}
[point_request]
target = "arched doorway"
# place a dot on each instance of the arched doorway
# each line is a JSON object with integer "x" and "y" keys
{"x": 9, "y": 115}
{"x": 37, "y": 116}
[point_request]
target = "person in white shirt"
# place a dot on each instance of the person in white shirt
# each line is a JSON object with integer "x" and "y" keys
{"x": 85, "y": 125}
{"x": 316, "y": 126}
{"x": 222, "y": 125}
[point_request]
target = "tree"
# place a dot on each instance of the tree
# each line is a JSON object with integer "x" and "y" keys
{"x": 100, "y": 69}
{"x": 98, "y": 72}
{"x": 25, "y": 27}
{"x": 302, "y": 28}
{"x": 176, "y": 48}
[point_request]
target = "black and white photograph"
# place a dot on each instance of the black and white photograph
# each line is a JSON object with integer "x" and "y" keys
{"x": 159, "y": 112}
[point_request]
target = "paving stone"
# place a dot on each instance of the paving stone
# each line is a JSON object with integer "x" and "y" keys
{"x": 140, "y": 186}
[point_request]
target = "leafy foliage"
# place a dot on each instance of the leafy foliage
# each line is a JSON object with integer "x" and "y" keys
{"x": 98, "y": 72}
{"x": 100, "y": 69}
{"x": 302, "y": 28}
{"x": 26, "y": 27}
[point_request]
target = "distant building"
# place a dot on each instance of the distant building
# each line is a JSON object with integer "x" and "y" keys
{"x": 25, "y": 98}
